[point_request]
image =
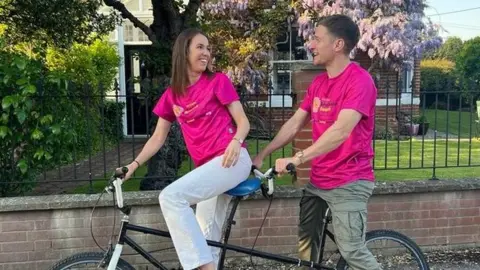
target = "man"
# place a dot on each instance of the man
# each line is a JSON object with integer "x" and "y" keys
{"x": 340, "y": 103}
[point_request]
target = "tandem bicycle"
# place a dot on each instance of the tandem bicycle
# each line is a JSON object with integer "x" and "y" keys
{"x": 264, "y": 182}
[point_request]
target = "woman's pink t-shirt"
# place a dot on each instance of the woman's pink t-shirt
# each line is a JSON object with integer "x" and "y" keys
{"x": 205, "y": 121}
{"x": 353, "y": 89}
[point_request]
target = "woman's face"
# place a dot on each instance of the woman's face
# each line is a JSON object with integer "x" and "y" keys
{"x": 198, "y": 54}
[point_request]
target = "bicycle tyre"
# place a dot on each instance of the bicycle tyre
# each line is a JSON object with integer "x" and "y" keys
{"x": 397, "y": 237}
{"x": 87, "y": 257}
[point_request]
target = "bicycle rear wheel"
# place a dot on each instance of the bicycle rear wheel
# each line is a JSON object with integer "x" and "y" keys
{"x": 87, "y": 260}
{"x": 391, "y": 257}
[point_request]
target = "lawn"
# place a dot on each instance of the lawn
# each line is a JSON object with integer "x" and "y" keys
{"x": 453, "y": 122}
{"x": 403, "y": 160}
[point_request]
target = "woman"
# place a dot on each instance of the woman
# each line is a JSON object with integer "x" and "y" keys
{"x": 204, "y": 104}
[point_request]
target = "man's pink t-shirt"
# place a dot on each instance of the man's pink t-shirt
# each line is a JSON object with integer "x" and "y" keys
{"x": 205, "y": 121}
{"x": 353, "y": 89}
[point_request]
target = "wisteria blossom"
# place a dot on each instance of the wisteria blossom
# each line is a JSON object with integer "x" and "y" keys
{"x": 392, "y": 32}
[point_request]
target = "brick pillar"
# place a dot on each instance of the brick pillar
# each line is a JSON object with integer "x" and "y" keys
{"x": 303, "y": 75}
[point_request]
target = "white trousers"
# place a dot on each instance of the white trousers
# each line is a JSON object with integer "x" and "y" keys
{"x": 204, "y": 186}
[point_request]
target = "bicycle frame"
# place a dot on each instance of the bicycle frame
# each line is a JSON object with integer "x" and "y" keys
{"x": 125, "y": 239}
{"x": 125, "y": 226}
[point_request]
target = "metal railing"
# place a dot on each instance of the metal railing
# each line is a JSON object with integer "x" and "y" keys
{"x": 425, "y": 130}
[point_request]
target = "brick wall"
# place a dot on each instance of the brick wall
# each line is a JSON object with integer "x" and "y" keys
{"x": 60, "y": 225}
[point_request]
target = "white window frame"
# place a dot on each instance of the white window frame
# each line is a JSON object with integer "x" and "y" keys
{"x": 407, "y": 87}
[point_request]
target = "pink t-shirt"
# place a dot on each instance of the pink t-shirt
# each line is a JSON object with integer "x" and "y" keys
{"x": 205, "y": 121}
{"x": 354, "y": 89}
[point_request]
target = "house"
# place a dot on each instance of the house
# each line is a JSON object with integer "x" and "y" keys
{"x": 291, "y": 72}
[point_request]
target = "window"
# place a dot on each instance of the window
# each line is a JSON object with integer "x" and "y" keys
{"x": 407, "y": 78}
{"x": 128, "y": 32}
{"x": 290, "y": 49}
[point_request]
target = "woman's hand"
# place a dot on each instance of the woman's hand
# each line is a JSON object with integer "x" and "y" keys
{"x": 131, "y": 169}
{"x": 232, "y": 153}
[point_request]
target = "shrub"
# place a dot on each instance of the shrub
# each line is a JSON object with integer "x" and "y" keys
{"x": 52, "y": 117}
{"x": 35, "y": 131}
{"x": 436, "y": 76}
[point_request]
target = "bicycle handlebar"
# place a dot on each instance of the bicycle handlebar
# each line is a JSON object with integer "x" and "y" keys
{"x": 269, "y": 175}
{"x": 116, "y": 181}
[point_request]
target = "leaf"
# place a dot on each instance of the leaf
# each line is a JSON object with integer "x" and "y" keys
{"x": 7, "y": 102}
{"x": 47, "y": 119}
{"x": 3, "y": 131}
{"x": 5, "y": 118}
{"x": 6, "y": 78}
{"x": 30, "y": 89}
{"x": 56, "y": 129}
{"x": 22, "y": 165}
{"x": 39, "y": 154}
{"x": 20, "y": 62}
{"x": 22, "y": 81}
{"x": 28, "y": 104}
{"x": 48, "y": 156}
{"x": 21, "y": 116}
{"x": 37, "y": 134}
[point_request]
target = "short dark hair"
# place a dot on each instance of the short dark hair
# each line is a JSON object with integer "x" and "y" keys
{"x": 342, "y": 26}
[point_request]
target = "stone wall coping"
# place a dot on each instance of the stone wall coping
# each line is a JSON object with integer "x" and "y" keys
{"x": 70, "y": 201}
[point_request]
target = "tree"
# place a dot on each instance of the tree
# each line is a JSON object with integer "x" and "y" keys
{"x": 242, "y": 35}
{"x": 467, "y": 66}
{"x": 54, "y": 22}
{"x": 448, "y": 51}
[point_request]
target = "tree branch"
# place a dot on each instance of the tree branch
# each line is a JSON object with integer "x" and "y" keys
{"x": 191, "y": 10}
{"x": 128, "y": 15}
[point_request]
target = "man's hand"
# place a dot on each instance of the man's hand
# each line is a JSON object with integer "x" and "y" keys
{"x": 257, "y": 162}
{"x": 281, "y": 164}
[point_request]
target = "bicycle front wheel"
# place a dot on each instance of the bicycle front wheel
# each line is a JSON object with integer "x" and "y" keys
{"x": 403, "y": 254}
{"x": 87, "y": 260}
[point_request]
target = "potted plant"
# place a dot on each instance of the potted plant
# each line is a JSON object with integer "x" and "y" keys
{"x": 423, "y": 123}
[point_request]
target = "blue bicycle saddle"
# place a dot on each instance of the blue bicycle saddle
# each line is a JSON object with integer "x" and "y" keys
{"x": 247, "y": 187}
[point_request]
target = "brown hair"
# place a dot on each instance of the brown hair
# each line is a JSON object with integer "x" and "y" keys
{"x": 180, "y": 60}
{"x": 343, "y": 27}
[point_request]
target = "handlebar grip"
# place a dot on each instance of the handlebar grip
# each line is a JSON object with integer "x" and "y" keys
{"x": 121, "y": 173}
{"x": 291, "y": 168}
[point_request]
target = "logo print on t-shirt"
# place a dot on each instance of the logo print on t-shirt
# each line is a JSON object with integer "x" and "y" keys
{"x": 316, "y": 104}
{"x": 177, "y": 110}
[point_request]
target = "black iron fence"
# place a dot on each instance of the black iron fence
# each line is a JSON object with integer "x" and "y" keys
{"x": 72, "y": 143}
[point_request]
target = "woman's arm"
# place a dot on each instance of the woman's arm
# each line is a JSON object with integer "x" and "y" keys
{"x": 243, "y": 127}
{"x": 151, "y": 147}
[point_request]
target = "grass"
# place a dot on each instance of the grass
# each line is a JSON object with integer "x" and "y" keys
{"x": 453, "y": 122}
{"x": 404, "y": 160}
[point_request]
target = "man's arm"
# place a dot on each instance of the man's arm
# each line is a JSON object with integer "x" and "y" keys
{"x": 334, "y": 136}
{"x": 286, "y": 133}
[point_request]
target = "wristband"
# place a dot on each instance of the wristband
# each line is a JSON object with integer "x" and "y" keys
{"x": 238, "y": 140}
{"x": 137, "y": 163}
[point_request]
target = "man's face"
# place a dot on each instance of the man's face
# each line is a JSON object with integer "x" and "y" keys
{"x": 324, "y": 46}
